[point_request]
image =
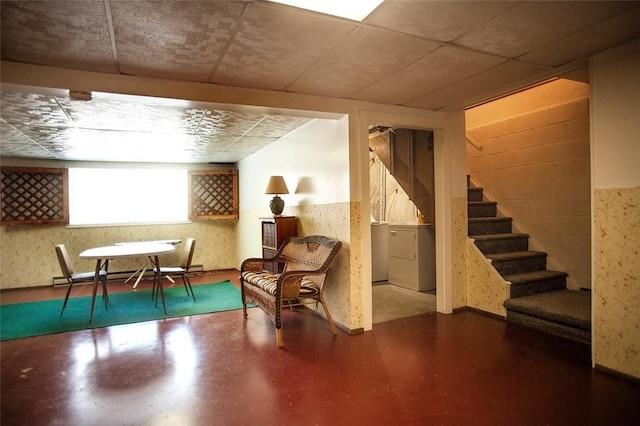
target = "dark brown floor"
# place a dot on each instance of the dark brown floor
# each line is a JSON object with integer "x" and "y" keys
{"x": 218, "y": 369}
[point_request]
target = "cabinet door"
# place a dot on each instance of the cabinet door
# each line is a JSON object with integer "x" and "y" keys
{"x": 269, "y": 234}
{"x": 402, "y": 243}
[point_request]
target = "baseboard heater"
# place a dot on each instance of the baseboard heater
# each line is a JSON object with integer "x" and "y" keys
{"x": 114, "y": 275}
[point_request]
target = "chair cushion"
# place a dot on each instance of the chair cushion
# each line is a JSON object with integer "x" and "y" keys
{"x": 267, "y": 282}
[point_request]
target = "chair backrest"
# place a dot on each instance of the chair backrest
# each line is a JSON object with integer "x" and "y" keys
{"x": 189, "y": 248}
{"x": 64, "y": 260}
{"x": 313, "y": 253}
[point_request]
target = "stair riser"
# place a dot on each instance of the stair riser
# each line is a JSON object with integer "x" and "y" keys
{"x": 487, "y": 228}
{"x": 482, "y": 210}
{"x": 561, "y": 330}
{"x": 520, "y": 266}
{"x": 474, "y": 194}
{"x": 503, "y": 246}
{"x": 525, "y": 289}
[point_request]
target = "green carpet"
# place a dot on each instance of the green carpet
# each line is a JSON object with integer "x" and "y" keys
{"x": 39, "y": 318}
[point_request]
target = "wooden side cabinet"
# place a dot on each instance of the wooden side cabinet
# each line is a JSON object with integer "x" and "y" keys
{"x": 274, "y": 231}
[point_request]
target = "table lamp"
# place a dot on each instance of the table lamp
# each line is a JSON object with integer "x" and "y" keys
{"x": 276, "y": 186}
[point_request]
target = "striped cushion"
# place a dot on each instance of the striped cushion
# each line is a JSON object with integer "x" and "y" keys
{"x": 267, "y": 282}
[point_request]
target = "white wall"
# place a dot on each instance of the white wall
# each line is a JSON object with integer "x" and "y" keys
{"x": 314, "y": 161}
{"x": 615, "y": 84}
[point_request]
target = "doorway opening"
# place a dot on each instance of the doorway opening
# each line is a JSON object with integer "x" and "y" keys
{"x": 402, "y": 199}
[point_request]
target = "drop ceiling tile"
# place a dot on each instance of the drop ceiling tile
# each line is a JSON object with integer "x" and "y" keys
{"x": 34, "y": 109}
{"x": 533, "y": 24}
{"x": 230, "y": 123}
{"x": 48, "y": 136}
{"x": 128, "y": 140}
{"x": 96, "y": 145}
{"x": 276, "y": 44}
{"x": 213, "y": 157}
{"x": 436, "y": 20}
{"x": 441, "y": 68}
{"x": 276, "y": 126}
{"x": 364, "y": 57}
{"x": 15, "y": 144}
{"x": 66, "y": 34}
{"x": 67, "y": 129}
{"x": 193, "y": 36}
{"x": 497, "y": 80}
{"x": 101, "y": 114}
{"x": 26, "y": 151}
{"x": 612, "y": 32}
{"x": 205, "y": 143}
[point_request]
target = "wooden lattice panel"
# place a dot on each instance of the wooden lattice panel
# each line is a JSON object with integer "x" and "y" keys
{"x": 32, "y": 196}
{"x": 213, "y": 194}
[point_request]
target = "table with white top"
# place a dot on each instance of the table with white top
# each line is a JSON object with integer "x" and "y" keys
{"x": 141, "y": 271}
{"x": 102, "y": 255}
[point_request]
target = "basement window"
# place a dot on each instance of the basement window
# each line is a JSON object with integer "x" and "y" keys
{"x": 127, "y": 196}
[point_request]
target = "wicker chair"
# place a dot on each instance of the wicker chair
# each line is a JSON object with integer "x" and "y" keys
{"x": 306, "y": 262}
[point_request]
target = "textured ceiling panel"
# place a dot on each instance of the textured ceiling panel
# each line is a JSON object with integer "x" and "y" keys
{"x": 249, "y": 144}
{"x": 532, "y": 25}
{"x": 439, "y": 55}
{"x": 491, "y": 81}
{"x": 68, "y": 34}
{"x": 436, "y": 20}
{"x": 617, "y": 30}
{"x": 33, "y": 109}
{"x": 275, "y": 45}
{"x": 15, "y": 144}
{"x": 439, "y": 69}
{"x": 376, "y": 53}
{"x": 188, "y": 47}
{"x": 275, "y": 126}
{"x": 140, "y": 129}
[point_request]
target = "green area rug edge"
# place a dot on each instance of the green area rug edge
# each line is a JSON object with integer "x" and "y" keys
{"x": 40, "y": 318}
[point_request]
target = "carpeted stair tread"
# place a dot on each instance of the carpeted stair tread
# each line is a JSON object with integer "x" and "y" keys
{"x": 482, "y": 203}
{"x": 495, "y": 219}
{"x": 527, "y": 277}
{"x": 492, "y": 237}
{"x": 515, "y": 255}
{"x": 568, "y": 307}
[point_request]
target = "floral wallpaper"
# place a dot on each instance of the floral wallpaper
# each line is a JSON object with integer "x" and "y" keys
{"x": 487, "y": 290}
{"x": 28, "y": 256}
{"x": 459, "y": 208}
{"x": 616, "y": 296}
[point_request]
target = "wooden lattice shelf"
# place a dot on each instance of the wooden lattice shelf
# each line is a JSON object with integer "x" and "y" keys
{"x": 32, "y": 196}
{"x": 213, "y": 194}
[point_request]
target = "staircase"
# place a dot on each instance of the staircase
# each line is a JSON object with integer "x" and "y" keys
{"x": 408, "y": 155}
{"x": 539, "y": 297}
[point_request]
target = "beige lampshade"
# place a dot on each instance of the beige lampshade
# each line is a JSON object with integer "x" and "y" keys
{"x": 276, "y": 185}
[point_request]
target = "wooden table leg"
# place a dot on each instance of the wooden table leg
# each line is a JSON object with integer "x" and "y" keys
{"x": 159, "y": 281}
{"x": 144, "y": 269}
{"x": 134, "y": 274}
{"x": 96, "y": 278}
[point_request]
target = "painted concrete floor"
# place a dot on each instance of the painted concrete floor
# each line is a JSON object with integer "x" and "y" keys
{"x": 220, "y": 369}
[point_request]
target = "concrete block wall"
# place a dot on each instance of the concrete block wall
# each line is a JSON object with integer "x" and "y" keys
{"x": 536, "y": 165}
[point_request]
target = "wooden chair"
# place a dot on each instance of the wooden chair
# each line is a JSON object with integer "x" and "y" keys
{"x": 67, "y": 270}
{"x": 306, "y": 262}
{"x": 182, "y": 269}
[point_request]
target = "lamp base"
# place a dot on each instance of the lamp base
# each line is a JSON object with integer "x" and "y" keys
{"x": 276, "y": 205}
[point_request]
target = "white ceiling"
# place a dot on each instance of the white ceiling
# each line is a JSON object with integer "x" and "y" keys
{"x": 438, "y": 55}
